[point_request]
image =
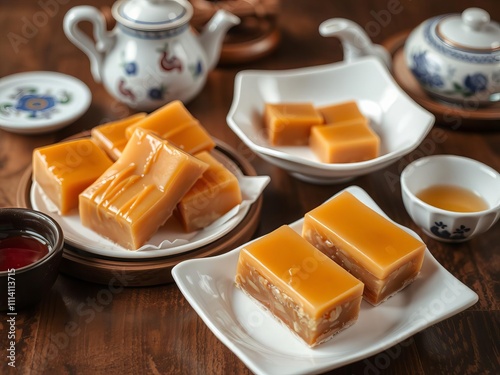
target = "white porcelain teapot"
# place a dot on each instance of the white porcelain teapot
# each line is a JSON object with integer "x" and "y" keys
{"x": 454, "y": 57}
{"x": 152, "y": 56}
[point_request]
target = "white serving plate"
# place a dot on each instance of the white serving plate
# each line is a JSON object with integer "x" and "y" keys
{"x": 40, "y": 102}
{"x": 400, "y": 122}
{"x": 170, "y": 239}
{"x": 267, "y": 347}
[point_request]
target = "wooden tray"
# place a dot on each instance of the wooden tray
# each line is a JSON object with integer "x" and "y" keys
{"x": 154, "y": 271}
{"x": 452, "y": 116}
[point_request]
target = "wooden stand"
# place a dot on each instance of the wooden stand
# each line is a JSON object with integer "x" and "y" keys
{"x": 449, "y": 115}
{"x": 256, "y": 36}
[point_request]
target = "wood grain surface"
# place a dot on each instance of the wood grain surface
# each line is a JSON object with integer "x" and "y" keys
{"x": 86, "y": 328}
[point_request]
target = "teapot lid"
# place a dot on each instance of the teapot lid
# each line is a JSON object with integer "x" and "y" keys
{"x": 472, "y": 31}
{"x": 152, "y": 15}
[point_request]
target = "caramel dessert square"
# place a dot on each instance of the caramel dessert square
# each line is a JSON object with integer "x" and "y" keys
{"x": 111, "y": 136}
{"x": 339, "y": 113}
{"x": 372, "y": 248}
{"x": 213, "y": 195}
{"x": 301, "y": 287}
{"x": 63, "y": 170}
{"x": 138, "y": 193}
{"x": 345, "y": 143}
{"x": 175, "y": 123}
{"x": 289, "y": 124}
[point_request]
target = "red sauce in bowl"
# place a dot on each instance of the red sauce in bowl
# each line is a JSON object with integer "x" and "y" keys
{"x": 20, "y": 249}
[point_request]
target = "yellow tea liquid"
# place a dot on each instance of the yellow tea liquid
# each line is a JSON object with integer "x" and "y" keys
{"x": 452, "y": 198}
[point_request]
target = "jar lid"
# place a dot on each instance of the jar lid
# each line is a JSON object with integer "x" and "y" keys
{"x": 152, "y": 15}
{"x": 471, "y": 31}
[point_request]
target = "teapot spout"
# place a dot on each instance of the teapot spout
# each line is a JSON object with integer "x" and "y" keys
{"x": 213, "y": 33}
{"x": 355, "y": 42}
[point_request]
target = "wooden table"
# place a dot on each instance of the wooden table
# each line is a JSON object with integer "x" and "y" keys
{"x": 153, "y": 330}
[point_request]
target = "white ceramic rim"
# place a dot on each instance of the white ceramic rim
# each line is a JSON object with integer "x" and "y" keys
{"x": 460, "y": 159}
{"x": 160, "y": 25}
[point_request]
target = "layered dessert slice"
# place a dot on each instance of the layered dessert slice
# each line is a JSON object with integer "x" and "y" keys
{"x": 304, "y": 289}
{"x": 372, "y": 248}
{"x": 213, "y": 195}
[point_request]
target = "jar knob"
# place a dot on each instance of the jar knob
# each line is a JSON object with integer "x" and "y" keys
{"x": 475, "y": 18}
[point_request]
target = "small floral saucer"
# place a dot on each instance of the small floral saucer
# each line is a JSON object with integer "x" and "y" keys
{"x": 40, "y": 102}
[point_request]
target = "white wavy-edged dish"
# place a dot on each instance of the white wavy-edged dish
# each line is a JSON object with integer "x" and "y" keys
{"x": 170, "y": 239}
{"x": 400, "y": 122}
{"x": 267, "y": 347}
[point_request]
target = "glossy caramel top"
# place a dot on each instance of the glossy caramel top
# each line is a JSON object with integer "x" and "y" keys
{"x": 73, "y": 160}
{"x": 164, "y": 119}
{"x": 289, "y": 113}
{"x": 175, "y": 123}
{"x": 348, "y": 133}
{"x": 147, "y": 170}
{"x": 373, "y": 241}
{"x": 341, "y": 112}
{"x": 304, "y": 273}
{"x": 111, "y": 136}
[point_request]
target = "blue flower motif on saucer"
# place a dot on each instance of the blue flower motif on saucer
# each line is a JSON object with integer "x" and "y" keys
{"x": 35, "y": 104}
{"x": 426, "y": 71}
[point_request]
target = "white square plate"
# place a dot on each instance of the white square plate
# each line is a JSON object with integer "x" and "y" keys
{"x": 267, "y": 347}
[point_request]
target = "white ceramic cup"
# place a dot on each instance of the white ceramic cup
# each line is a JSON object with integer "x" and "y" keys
{"x": 443, "y": 225}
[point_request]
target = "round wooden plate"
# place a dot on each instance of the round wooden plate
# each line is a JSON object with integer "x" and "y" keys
{"x": 154, "y": 271}
{"x": 454, "y": 116}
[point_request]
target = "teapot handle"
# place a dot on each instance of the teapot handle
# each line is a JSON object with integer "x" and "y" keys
{"x": 355, "y": 41}
{"x": 104, "y": 42}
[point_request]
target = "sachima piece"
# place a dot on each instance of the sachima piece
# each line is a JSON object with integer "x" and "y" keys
{"x": 289, "y": 124}
{"x": 304, "y": 289}
{"x": 175, "y": 123}
{"x": 111, "y": 137}
{"x": 138, "y": 193}
{"x": 341, "y": 113}
{"x": 378, "y": 252}
{"x": 346, "y": 136}
{"x": 65, "y": 169}
{"x": 213, "y": 195}
{"x": 348, "y": 142}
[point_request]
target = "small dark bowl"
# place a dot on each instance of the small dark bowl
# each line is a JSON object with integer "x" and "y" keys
{"x": 33, "y": 281}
